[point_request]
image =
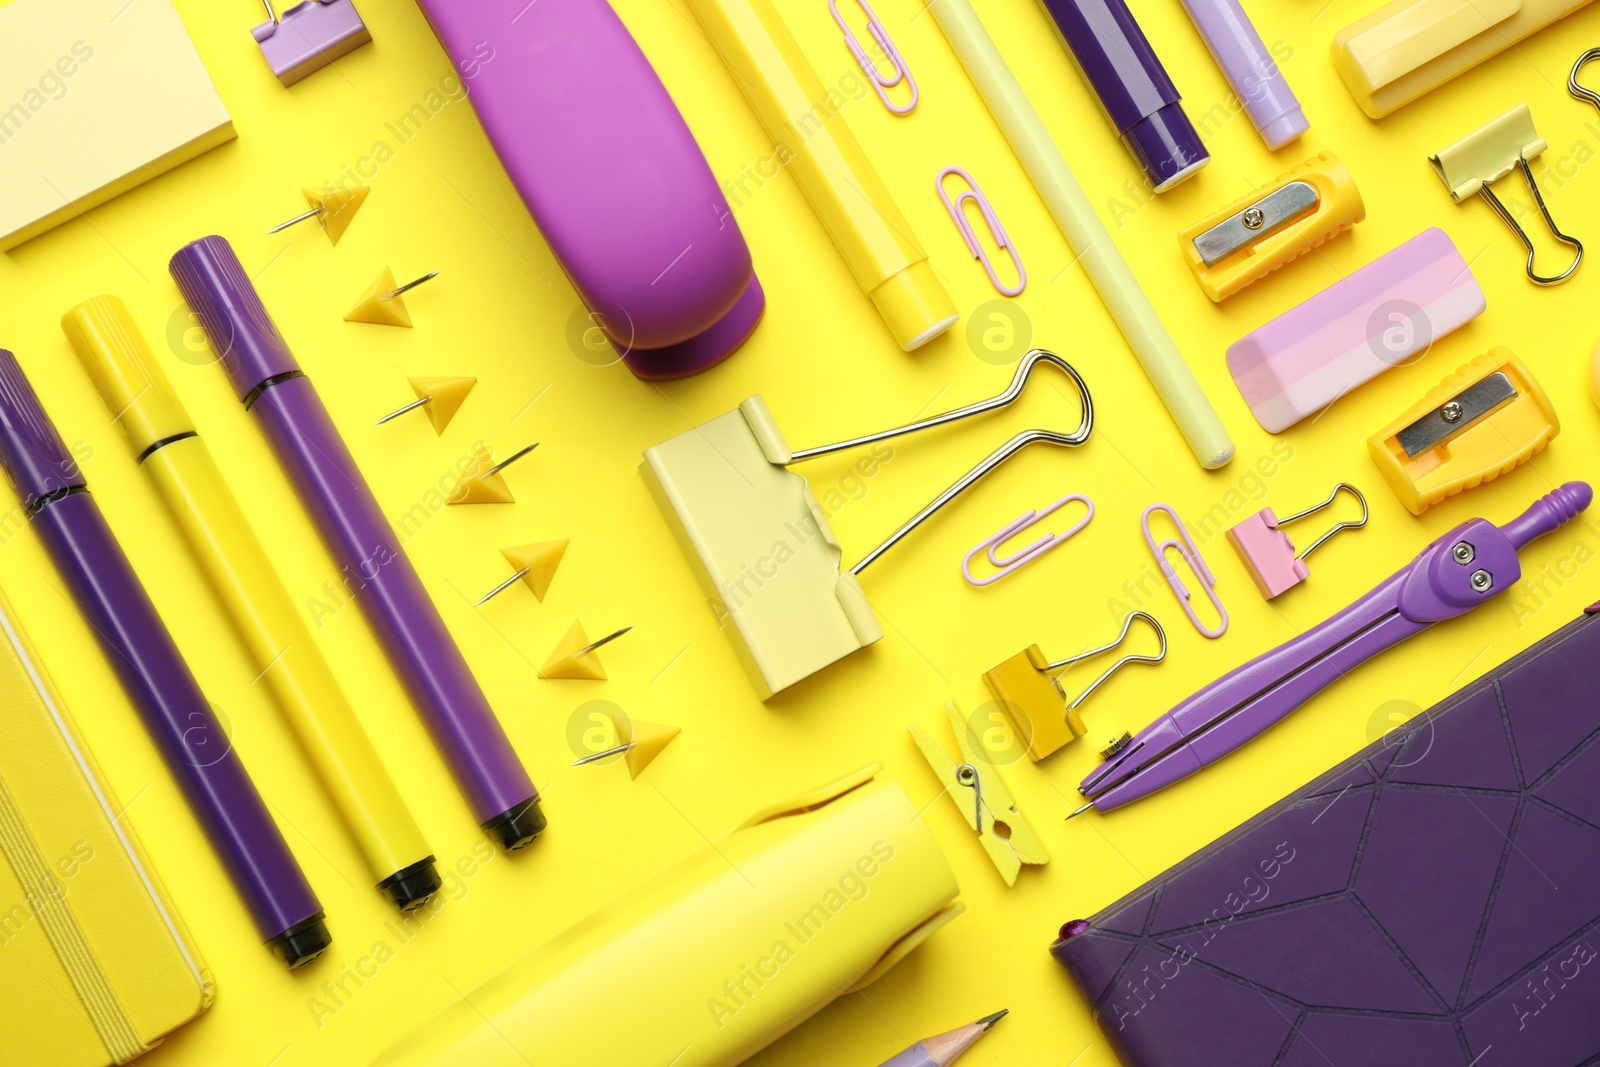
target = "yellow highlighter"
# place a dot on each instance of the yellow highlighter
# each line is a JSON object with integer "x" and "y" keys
{"x": 813, "y": 141}
{"x": 163, "y": 437}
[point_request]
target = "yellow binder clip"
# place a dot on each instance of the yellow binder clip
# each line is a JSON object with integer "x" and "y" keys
{"x": 1486, "y": 419}
{"x": 760, "y": 543}
{"x": 1258, "y": 233}
{"x": 1475, "y": 162}
{"x": 985, "y": 802}
{"x": 1028, "y": 687}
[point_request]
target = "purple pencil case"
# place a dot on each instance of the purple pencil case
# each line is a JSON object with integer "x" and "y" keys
{"x": 1432, "y": 902}
{"x": 611, "y": 174}
{"x": 1379, "y": 317}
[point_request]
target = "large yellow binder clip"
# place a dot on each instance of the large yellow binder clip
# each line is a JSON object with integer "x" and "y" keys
{"x": 1474, "y": 163}
{"x": 1275, "y": 225}
{"x": 1486, "y": 419}
{"x": 761, "y": 545}
{"x": 982, "y": 797}
{"x": 715, "y": 957}
{"x": 1409, "y": 47}
{"x": 1028, "y": 687}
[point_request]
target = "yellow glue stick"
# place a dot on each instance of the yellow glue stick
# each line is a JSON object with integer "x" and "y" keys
{"x": 819, "y": 150}
{"x": 163, "y": 437}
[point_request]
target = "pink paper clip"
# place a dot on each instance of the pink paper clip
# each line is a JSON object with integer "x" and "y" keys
{"x": 1191, "y": 555}
{"x": 957, "y": 210}
{"x": 881, "y": 84}
{"x": 1007, "y": 564}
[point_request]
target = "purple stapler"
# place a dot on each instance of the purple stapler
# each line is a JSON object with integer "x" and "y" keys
{"x": 309, "y": 36}
{"x": 1453, "y": 575}
{"x": 611, "y": 174}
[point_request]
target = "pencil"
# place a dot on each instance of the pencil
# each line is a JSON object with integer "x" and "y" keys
{"x": 1135, "y": 316}
{"x": 945, "y": 1049}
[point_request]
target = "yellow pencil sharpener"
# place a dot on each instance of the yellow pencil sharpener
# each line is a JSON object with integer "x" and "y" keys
{"x": 1486, "y": 419}
{"x": 1256, "y": 234}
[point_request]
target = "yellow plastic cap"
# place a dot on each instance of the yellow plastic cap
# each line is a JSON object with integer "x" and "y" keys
{"x": 915, "y": 305}
{"x": 120, "y": 365}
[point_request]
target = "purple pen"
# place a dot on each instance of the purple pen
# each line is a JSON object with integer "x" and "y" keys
{"x": 1450, "y": 577}
{"x": 1120, "y": 66}
{"x": 273, "y": 388}
{"x": 1250, "y": 69}
{"x": 197, "y": 751}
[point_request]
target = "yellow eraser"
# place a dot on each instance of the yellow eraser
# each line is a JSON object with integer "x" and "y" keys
{"x": 1278, "y": 223}
{"x": 1483, "y": 421}
{"x": 100, "y": 96}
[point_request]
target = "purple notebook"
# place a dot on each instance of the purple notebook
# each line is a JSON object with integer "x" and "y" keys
{"x": 1432, "y": 902}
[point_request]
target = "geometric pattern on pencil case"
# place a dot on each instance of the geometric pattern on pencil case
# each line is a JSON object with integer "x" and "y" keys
{"x": 1435, "y": 900}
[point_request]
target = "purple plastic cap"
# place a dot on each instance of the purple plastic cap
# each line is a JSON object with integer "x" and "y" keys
{"x": 1167, "y": 147}
{"x": 242, "y": 334}
{"x": 35, "y": 458}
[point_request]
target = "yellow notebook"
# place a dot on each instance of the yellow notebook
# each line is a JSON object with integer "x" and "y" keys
{"x": 95, "y": 964}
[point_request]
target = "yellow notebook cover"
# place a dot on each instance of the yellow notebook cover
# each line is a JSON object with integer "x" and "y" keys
{"x": 96, "y": 965}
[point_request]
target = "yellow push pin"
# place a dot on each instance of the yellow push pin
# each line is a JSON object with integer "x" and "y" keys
{"x": 332, "y": 208}
{"x": 441, "y": 396}
{"x": 536, "y": 565}
{"x": 642, "y": 741}
{"x": 486, "y": 485}
{"x": 574, "y": 657}
{"x": 381, "y": 304}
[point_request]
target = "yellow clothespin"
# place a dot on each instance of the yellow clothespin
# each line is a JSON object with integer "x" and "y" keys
{"x": 1028, "y": 688}
{"x": 1258, "y": 233}
{"x": 1474, "y": 163}
{"x": 760, "y": 542}
{"x": 983, "y": 799}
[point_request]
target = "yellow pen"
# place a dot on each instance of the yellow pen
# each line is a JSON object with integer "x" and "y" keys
{"x": 812, "y": 140}
{"x": 163, "y": 437}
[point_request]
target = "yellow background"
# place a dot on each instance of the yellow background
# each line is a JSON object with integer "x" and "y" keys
{"x": 501, "y": 310}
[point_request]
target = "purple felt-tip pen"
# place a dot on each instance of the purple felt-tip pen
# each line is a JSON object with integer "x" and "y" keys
{"x": 198, "y": 752}
{"x": 1250, "y": 69}
{"x": 269, "y": 381}
{"x": 1120, "y": 66}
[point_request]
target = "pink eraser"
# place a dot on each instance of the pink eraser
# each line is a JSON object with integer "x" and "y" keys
{"x": 1267, "y": 553}
{"x": 1354, "y": 330}
{"x": 309, "y": 36}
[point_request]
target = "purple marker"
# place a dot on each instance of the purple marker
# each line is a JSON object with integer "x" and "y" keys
{"x": 1450, "y": 577}
{"x": 1122, "y": 69}
{"x": 420, "y": 649}
{"x": 197, "y": 751}
{"x": 1250, "y": 69}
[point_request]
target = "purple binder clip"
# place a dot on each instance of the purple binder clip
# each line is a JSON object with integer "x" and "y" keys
{"x": 611, "y": 174}
{"x": 309, "y": 36}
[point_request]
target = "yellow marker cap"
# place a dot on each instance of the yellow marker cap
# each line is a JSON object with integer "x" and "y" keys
{"x": 119, "y": 362}
{"x": 914, "y": 305}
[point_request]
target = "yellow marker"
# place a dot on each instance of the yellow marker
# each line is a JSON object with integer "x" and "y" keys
{"x": 1409, "y": 47}
{"x": 1483, "y": 421}
{"x": 163, "y": 437}
{"x": 981, "y": 795}
{"x": 1277, "y": 224}
{"x": 817, "y": 147}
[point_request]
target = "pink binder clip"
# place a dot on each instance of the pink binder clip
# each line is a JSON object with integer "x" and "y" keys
{"x": 309, "y": 36}
{"x": 1191, "y": 555}
{"x": 957, "y": 210}
{"x": 1268, "y": 554}
{"x": 900, "y": 72}
{"x": 1009, "y": 563}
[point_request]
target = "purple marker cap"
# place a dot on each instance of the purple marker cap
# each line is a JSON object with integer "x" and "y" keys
{"x": 35, "y": 458}
{"x": 237, "y": 325}
{"x": 1120, "y": 66}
